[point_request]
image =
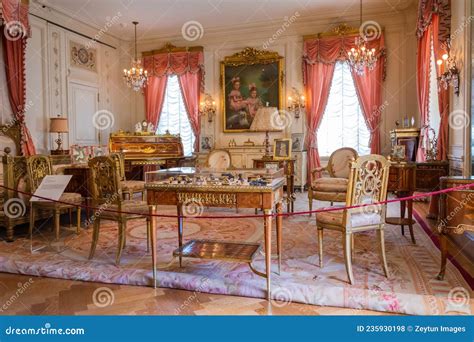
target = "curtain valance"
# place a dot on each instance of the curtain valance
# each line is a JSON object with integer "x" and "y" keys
{"x": 329, "y": 50}
{"x": 14, "y": 13}
{"x": 177, "y": 63}
{"x": 426, "y": 10}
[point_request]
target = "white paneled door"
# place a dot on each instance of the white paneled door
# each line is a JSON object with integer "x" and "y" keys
{"x": 83, "y": 104}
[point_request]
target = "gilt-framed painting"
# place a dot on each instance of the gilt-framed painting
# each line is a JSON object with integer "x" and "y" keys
{"x": 250, "y": 79}
{"x": 282, "y": 149}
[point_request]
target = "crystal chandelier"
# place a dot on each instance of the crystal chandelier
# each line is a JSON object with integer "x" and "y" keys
{"x": 135, "y": 77}
{"x": 360, "y": 56}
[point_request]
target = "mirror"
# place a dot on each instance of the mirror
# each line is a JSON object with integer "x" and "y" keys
{"x": 472, "y": 92}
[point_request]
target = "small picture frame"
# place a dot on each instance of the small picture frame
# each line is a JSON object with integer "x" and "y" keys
{"x": 98, "y": 151}
{"x": 282, "y": 149}
{"x": 79, "y": 154}
{"x": 297, "y": 142}
{"x": 399, "y": 153}
{"x": 207, "y": 142}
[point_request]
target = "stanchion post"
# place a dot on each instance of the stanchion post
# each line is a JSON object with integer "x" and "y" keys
{"x": 152, "y": 211}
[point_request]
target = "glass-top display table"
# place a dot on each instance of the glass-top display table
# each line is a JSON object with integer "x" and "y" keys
{"x": 234, "y": 188}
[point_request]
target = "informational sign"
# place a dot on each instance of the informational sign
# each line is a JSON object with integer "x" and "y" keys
{"x": 51, "y": 187}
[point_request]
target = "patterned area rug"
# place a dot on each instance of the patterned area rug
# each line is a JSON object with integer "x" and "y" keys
{"x": 412, "y": 287}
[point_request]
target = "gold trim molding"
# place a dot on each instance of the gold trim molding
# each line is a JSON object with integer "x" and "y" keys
{"x": 250, "y": 56}
{"x": 339, "y": 30}
{"x": 170, "y": 48}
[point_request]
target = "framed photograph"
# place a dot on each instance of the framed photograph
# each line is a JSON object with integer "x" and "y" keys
{"x": 297, "y": 142}
{"x": 399, "y": 152}
{"x": 251, "y": 79}
{"x": 207, "y": 142}
{"x": 98, "y": 151}
{"x": 282, "y": 149}
{"x": 79, "y": 154}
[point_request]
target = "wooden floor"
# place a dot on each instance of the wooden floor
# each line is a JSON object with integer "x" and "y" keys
{"x": 45, "y": 296}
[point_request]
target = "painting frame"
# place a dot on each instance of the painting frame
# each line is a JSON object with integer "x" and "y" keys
{"x": 277, "y": 155}
{"x": 245, "y": 61}
{"x": 399, "y": 153}
{"x": 297, "y": 137}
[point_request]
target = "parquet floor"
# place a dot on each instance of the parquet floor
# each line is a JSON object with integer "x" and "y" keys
{"x": 45, "y": 296}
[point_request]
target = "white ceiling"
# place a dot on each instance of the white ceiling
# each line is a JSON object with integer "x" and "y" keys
{"x": 166, "y": 17}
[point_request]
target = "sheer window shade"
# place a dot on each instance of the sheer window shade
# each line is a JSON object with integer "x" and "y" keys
{"x": 343, "y": 123}
{"x": 174, "y": 117}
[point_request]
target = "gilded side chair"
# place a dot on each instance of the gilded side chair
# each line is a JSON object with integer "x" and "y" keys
{"x": 368, "y": 182}
{"x": 109, "y": 204}
{"x": 38, "y": 167}
{"x": 332, "y": 188}
{"x": 129, "y": 187}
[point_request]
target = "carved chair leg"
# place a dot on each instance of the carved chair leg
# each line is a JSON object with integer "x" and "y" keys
{"x": 95, "y": 237}
{"x": 78, "y": 223}
{"x": 346, "y": 240}
{"x": 57, "y": 222}
{"x": 320, "y": 246}
{"x": 148, "y": 233}
{"x": 10, "y": 233}
{"x": 310, "y": 202}
{"x": 381, "y": 235}
{"x": 32, "y": 221}
{"x": 121, "y": 241}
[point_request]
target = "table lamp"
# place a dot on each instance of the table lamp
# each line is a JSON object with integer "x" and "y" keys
{"x": 263, "y": 122}
{"x": 58, "y": 125}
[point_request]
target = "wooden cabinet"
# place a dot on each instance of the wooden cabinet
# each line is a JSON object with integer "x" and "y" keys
{"x": 243, "y": 156}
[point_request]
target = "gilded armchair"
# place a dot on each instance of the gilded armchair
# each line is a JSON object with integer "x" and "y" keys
{"x": 332, "y": 188}
{"x": 37, "y": 167}
{"x": 108, "y": 203}
{"x": 129, "y": 187}
{"x": 368, "y": 182}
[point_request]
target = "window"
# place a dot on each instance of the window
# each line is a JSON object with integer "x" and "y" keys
{"x": 174, "y": 117}
{"x": 343, "y": 123}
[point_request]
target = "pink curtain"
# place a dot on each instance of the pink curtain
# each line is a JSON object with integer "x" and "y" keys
{"x": 191, "y": 90}
{"x": 319, "y": 77}
{"x": 175, "y": 63}
{"x": 154, "y": 98}
{"x": 319, "y": 58}
{"x": 369, "y": 91}
{"x": 423, "y": 87}
{"x": 14, "y": 17}
{"x": 434, "y": 25}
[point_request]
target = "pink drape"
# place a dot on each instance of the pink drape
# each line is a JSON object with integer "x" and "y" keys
{"x": 14, "y": 56}
{"x": 175, "y": 63}
{"x": 318, "y": 79}
{"x": 423, "y": 63}
{"x": 190, "y": 88}
{"x": 154, "y": 98}
{"x": 434, "y": 25}
{"x": 320, "y": 55}
{"x": 369, "y": 90}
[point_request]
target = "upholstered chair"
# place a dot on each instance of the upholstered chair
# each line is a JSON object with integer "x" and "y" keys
{"x": 129, "y": 187}
{"x": 108, "y": 203}
{"x": 38, "y": 167}
{"x": 219, "y": 159}
{"x": 368, "y": 182}
{"x": 332, "y": 188}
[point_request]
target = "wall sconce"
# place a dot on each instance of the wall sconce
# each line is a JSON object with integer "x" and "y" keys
{"x": 296, "y": 102}
{"x": 208, "y": 107}
{"x": 449, "y": 73}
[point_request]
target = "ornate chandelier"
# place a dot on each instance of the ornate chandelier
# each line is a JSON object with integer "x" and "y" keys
{"x": 360, "y": 56}
{"x": 135, "y": 77}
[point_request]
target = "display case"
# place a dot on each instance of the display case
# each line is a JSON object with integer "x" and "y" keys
{"x": 190, "y": 177}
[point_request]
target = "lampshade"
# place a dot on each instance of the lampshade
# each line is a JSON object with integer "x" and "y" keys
{"x": 263, "y": 120}
{"x": 58, "y": 125}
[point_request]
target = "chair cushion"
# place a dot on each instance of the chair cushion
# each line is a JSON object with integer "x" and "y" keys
{"x": 358, "y": 219}
{"x": 329, "y": 196}
{"x": 133, "y": 185}
{"x": 71, "y": 198}
{"x": 135, "y": 207}
{"x": 330, "y": 184}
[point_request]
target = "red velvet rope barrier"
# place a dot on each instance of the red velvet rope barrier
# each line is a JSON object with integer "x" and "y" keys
{"x": 101, "y": 208}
